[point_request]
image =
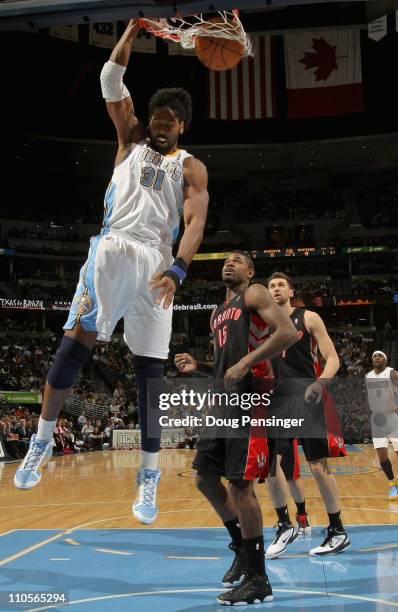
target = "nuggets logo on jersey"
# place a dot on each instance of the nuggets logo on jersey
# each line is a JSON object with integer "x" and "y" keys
{"x": 145, "y": 197}
{"x": 82, "y": 304}
{"x": 172, "y": 169}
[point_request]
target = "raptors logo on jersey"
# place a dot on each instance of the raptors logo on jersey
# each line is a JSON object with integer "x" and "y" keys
{"x": 261, "y": 460}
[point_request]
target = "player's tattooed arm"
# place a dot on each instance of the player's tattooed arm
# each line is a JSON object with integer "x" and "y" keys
{"x": 195, "y": 213}
{"x": 195, "y": 208}
{"x": 258, "y": 298}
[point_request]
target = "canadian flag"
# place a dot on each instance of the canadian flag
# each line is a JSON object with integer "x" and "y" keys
{"x": 248, "y": 90}
{"x": 324, "y": 73}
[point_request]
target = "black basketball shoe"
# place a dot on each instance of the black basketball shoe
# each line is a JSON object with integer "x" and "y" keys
{"x": 235, "y": 573}
{"x": 253, "y": 589}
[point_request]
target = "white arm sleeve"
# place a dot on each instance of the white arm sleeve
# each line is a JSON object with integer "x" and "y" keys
{"x": 112, "y": 86}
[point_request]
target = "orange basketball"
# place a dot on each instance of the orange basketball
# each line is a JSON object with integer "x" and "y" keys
{"x": 218, "y": 53}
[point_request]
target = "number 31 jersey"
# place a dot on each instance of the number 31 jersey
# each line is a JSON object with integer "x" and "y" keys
{"x": 145, "y": 197}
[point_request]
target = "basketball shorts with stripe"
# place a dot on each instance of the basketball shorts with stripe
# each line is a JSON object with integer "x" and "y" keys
{"x": 234, "y": 454}
{"x": 114, "y": 284}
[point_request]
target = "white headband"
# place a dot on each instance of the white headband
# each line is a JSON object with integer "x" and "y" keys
{"x": 379, "y": 353}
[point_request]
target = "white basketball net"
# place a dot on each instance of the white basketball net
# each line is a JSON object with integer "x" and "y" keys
{"x": 185, "y": 30}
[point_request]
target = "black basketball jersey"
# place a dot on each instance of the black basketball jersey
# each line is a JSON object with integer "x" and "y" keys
{"x": 302, "y": 359}
{"x": 234, "y": 327}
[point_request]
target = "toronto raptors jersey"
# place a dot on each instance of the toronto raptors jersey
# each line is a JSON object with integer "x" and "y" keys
{"x": 381, "y": 393}
{"x": 237, "y": 330}
{"x": 302, "y": 359}
{"x": 145, "y": 197}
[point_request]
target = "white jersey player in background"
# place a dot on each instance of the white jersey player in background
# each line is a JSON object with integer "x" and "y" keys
{"x": 382, "y": 387}
{"x": 130, "y": 272}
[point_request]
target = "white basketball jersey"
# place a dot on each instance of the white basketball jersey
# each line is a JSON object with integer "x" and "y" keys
{"x": 381, "y": 394}
{"x": 145, "y": 197}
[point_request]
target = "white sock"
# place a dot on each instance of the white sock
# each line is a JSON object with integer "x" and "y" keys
{"x": 45, "y": 429}
{"x": 149, "y": 461}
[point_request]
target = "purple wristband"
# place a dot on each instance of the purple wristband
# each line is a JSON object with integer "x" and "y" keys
{"x": 180, "y": 273}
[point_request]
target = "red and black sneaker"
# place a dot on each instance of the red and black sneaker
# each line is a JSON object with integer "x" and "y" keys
{"x": 303, "y": 524}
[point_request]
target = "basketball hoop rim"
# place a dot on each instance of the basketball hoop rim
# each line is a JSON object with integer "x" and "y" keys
{"x": 185, "y": 32}
{"x": 146, "y": 24}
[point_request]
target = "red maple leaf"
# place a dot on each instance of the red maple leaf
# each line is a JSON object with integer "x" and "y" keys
{"x": 324, "y": 59}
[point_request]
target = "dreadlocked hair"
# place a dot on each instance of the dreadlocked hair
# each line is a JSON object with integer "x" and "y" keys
{"x": 176, "y": 98}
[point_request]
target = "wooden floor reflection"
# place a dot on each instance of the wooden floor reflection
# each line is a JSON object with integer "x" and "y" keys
{"x": 96, "y": 491}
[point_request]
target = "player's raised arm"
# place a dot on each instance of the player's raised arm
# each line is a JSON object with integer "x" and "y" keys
{"x": 118, "y": 100}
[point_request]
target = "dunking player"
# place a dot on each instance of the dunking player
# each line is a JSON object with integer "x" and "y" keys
{"x": 130, "y": 271}
{"x": 240, "y": 460}
{"x": 301, "y": 361}
{"x": 382, "y": 387}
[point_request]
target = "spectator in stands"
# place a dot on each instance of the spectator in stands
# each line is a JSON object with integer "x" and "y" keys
{"x": 95, "y": 440}
{"x": 119, "y": 392}
{"x": 82, "y": 420}
{"x": 87, "y": 430}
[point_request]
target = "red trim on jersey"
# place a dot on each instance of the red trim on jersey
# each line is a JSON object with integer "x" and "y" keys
{"x": 257, "y": 461}
{"x": 336, "y": 442}
{"x": 260, "y": 339}
{"x": 297, "y": 464}
{"x": 315, "y": 356}
{"x": 262, "y": 369}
